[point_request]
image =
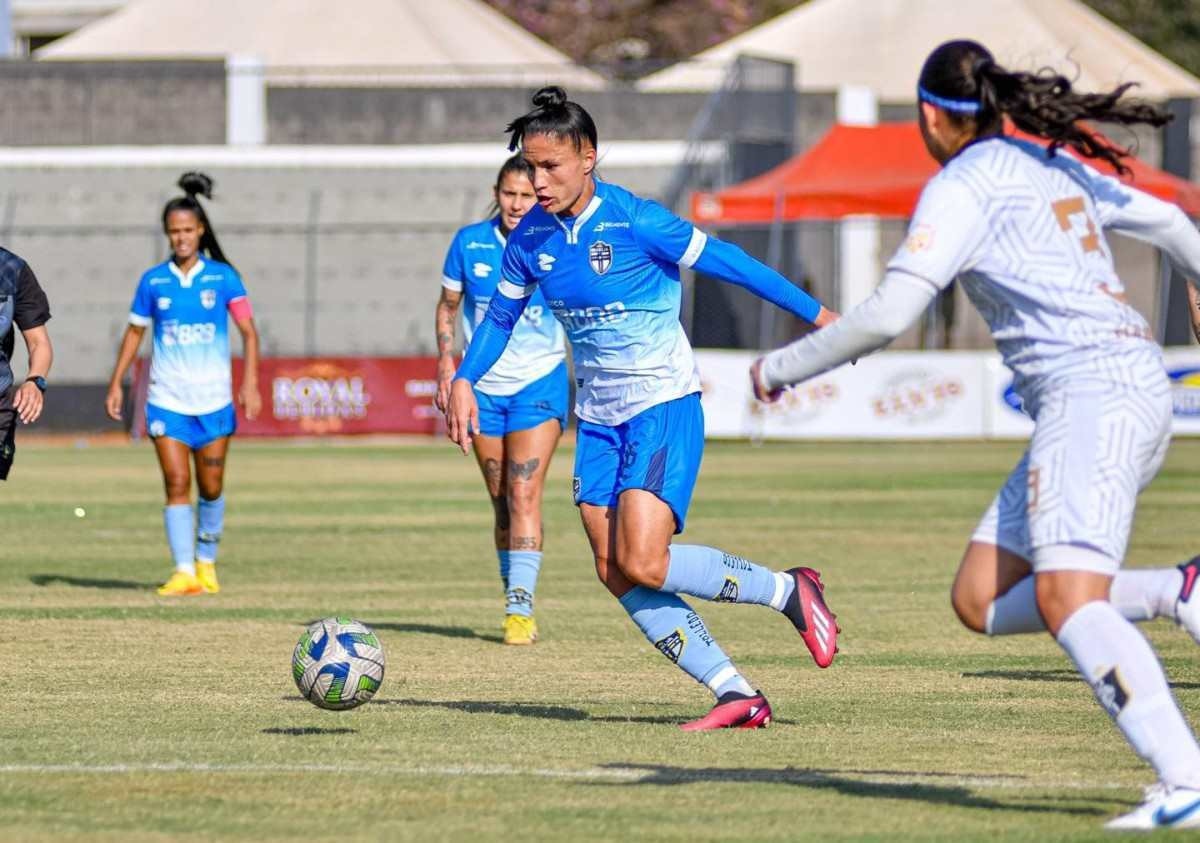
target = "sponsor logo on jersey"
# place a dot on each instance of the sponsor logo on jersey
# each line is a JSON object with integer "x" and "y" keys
{"x": 920, "y": 238}
{"x": 672, "y": 645}
{"x": 481, "y": 270}
{"x": 164, "y": 302}
{"x": 538, "y": 229}
{"x": 600, "y": 257}
{"x": 546, "y": 262}
{"x": 211, "y": 279}
{"x": 476, "y": 245}
{"x": 1185, "y": 391}
{"x": 606, "y": 225}
{"x": 582, "y": 317}
{"x": 185, "y": 334}
{"x": 159, "y": 280}
{"x": 208, "y": 298}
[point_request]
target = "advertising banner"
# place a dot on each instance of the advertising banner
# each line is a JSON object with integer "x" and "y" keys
{"x": 331, "y": 396}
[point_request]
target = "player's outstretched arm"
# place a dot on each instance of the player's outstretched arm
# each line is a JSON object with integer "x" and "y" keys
{"x": 731, "y": 264}
{"x": 28, "y": 400}
{"x": 895, "y": 305}
{"x": 248, "y": 395}
{"x": 130, "y": 341}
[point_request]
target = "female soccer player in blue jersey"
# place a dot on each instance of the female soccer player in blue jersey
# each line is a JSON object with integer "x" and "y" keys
{"x": 608, "y": 263}
{"x": 189, "y": 411}
{"x": 522, "y": 400}
{"x": 1023, "y": 230}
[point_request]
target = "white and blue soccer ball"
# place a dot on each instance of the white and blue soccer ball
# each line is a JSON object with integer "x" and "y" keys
{"x": 338, "y": 663}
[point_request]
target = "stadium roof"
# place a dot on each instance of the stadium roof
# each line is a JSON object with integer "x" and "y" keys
{"x": 882, "y": 44}
{"x": 417, "y": 42}
{"x": 878, "y": 170}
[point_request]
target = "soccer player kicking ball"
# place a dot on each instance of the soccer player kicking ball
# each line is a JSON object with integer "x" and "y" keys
{"x": 1022, "y": 228}
{"x": 608, "y": 263}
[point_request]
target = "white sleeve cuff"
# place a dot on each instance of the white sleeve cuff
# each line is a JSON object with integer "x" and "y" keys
{"x": 695, "y": 249}
{"x": 510, "y": 290}
{"x": 139, "y": 320}
{"x": 452, "y": 284}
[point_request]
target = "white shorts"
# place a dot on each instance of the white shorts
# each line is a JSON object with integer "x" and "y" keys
{"x": 1094, "y": 447}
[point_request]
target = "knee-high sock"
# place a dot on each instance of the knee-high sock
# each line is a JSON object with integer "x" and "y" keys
{"x": 210, "y": 523}
{"x": 713, "y": 574}
{"x": 502, "y": 558}
{"x": 1138, "y": 595}
{"x": 1114, "y": 658}
{"x": 181, "y": 535}
{"x": 680, "y": 634}
{"x": 523, "y": 567}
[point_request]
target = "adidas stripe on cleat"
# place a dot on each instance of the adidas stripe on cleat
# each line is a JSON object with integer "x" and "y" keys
{"x": 807, "y": 611}
{"x": 734, "y": 711}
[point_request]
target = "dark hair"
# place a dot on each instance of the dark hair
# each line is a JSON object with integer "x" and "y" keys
{"x": 963, "y": 78}
{"x": 514, "y": 164}
{"x": 193, "y": 185}
{"x": 553, "y": 114}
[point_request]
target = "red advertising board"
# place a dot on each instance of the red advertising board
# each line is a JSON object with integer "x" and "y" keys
{"x": 332, "y": 396}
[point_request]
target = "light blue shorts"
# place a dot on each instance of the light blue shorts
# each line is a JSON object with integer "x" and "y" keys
{"x": 658, "y": 450}
{"x": 540, "y": 401}
{"x": 193, "y": 431}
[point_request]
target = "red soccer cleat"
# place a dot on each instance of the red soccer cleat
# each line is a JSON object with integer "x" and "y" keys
{"x": 734, "y": 711}
{"x": 807, "y": 611}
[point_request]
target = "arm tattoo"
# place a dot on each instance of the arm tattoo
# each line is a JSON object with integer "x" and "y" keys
{"x": 523, "y": 470}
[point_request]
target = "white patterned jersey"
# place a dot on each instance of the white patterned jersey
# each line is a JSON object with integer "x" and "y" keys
{"x": 1023, "y": 231}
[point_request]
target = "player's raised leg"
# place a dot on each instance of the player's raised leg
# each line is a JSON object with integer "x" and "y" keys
{"x": 178, "y": 516}
{"x": 671, "y": 625}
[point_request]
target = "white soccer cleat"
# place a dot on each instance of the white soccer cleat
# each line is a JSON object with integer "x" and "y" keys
{"x": 1164, "y": 807}
{"x": 1187, "y": 610}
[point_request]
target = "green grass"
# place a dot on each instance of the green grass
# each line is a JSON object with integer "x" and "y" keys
{"x": 124, "y": 716}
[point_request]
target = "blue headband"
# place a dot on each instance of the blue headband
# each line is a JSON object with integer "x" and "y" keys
{"x": 961, "y": 106}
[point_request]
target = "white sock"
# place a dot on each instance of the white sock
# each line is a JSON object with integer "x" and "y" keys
{"x": 1128, "y": 681}
{"x": 1145, "y": 594}
{"x": 1138, "y": 595}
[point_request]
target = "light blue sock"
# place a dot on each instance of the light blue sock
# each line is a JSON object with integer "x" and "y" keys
{"x": 715, "y": 575}
{"x": 181, "y": 535}
{"x": 680, "y": 634}
{"x": 523, "y": 567}
{"x": 210, "y": 516}
{"x": 502, "y": 555}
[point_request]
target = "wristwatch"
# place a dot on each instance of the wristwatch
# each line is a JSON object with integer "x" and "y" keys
{"x": 38, "y": 381}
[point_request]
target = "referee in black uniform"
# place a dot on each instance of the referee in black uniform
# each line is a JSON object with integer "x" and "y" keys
{"x": 23, "y": 304}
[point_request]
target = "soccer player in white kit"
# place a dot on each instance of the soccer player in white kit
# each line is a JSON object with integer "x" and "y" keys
{"x": 1021, "y": 227}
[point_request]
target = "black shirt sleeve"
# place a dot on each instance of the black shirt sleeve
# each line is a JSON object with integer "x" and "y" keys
{"x": 31, "y": 307}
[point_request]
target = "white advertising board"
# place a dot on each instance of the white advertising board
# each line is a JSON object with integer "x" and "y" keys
{"x": 898, "y": 395}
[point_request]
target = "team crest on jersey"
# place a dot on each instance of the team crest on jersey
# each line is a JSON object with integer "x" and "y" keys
{"x": 600, "y": 257}
{"x": 729, "y": 592}
{"x": 208, "y": 298}
{"x": 672, "y": 645}
{"x": 164, "y": 303}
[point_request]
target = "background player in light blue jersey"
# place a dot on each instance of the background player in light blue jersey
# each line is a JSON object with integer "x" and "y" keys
{"x": 189, "y": 410}
{"x": 608, "y": 263}
{"x": 522, "y": 400}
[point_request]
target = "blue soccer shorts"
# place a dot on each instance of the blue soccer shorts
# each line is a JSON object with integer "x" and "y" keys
{"x": 658, "y": 450}
{"x": 193, "y": 431}
{"x": 544, "y": 399}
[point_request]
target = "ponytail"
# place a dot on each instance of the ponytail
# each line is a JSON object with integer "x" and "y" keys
{"x": 553, "y": 114}
{"x": 197, "y": 184}
{"x": 963, "y": 78}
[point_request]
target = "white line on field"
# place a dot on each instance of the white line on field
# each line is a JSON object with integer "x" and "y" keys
{"x": 648, "y": 774}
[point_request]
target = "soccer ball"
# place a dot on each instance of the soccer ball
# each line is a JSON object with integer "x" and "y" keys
{"x": 338, "y": 663}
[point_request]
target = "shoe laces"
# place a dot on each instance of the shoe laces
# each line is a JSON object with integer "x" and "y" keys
{"x": 1156, "y": 791}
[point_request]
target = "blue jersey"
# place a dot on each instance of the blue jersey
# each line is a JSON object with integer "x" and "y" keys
{"x": 189, "y": 372}
{"x": 611, "y": 276}
{"x": 536, "y": 348}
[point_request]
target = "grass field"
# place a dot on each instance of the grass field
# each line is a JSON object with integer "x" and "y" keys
{"x": 124, "y": 716}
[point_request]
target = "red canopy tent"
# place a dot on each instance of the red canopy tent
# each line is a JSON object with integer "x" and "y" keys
{"x": 877, "y": 170}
